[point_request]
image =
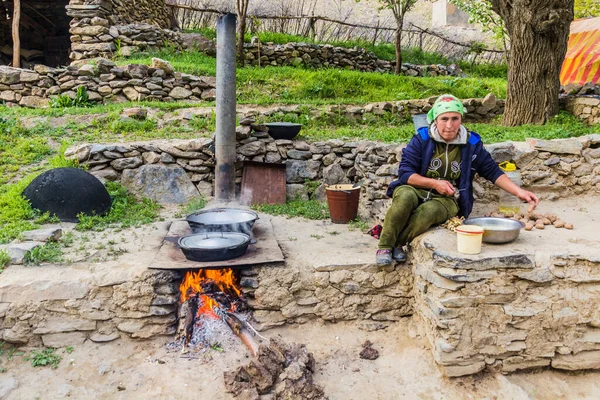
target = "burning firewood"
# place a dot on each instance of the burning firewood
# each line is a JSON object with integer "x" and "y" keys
{"x": 238, "y": 328}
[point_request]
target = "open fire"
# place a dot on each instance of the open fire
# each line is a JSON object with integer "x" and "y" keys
{"x": 212, "y": 304}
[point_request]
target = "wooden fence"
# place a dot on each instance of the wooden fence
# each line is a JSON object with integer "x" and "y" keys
{"x": 325, "y": 29}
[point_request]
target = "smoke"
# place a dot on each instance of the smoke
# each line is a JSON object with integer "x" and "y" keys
{"x": 245, "y": 198}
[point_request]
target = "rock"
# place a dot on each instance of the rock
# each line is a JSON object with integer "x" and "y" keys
{"x": 368, "y": 352}
{"x": 162, "y": 64}
{"x": 297, "y": 171}
{"x": 101, "y": 338}
{"x": 30, "y": 77}
{"x": 104, "y": 65}
{"x": 87, "y": 70}
{"x": 131, "y": 94}
{"x": 253, "y": 148}
{"x": 57, "y": 340}
{"x": 205, "y": 188}
{"x": 63, "y": 324}
{"x": 135, "y": 71}
{"x": 334, "y": 174}
{"x": 164, "y": 184}
{"x": 9, "y": 76}
{"x": 34, "y": 102}
{"x": 296, "y": 191}
{"x": 107, "y": 174}
{"x": 137, "y": 113}
{"x": 43, "y": 235}
{"x": 17, "y": 251}
{"x": 121, "y": 164}
{"x": 7, "y": 384}
{"x": 453, "y": 371}
{"x": 557, "y": 146}
{"x": 180, "y": 93}
{"x": 501, "y": 152}
{"x": 583, "y": 360}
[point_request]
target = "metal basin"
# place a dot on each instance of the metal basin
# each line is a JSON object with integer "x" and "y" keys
{"x": 214, "y": 246}
{"x": 497, "y": 230}
{"x": 222, "y": 220}
{"x": 283, "y": 130}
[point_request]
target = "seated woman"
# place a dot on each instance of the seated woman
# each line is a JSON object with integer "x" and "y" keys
{"x": 435, "y": 179}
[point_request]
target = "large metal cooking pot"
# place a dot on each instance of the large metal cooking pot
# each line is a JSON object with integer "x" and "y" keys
{"x": 214, "y": 246}
{"x": 497, "y": 230}
{"x": 222, "y": 220}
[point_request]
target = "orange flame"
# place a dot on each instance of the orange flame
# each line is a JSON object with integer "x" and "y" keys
{"x": 191, "y": 285}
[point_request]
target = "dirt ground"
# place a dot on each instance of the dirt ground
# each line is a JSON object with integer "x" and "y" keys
{"x": 127, "y": 369}
{"x": 405, "y": 370}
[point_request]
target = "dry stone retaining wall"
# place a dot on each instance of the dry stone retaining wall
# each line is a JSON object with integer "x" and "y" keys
{"x": 104, "y": 82}
{"x": 552, "y": 169}
{"x": 586, "y": 108}
{"x": 57, "y": 312}
{"x": 289, "y": 294}
{"x": 328, "y": 56}
{"x": 100, "y": 28}
{"x": 507, "y": 310}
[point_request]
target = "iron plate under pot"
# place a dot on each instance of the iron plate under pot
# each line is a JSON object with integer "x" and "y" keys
{"x": 214, "y": 246}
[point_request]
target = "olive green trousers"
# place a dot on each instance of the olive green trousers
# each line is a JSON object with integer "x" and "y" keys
{"x": 412, "y": 212}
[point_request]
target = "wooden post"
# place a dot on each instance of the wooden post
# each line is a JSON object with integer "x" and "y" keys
{"x": 15, "y": 34}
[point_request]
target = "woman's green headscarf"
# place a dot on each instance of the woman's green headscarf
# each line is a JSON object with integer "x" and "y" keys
{"x": 445, "y": 103}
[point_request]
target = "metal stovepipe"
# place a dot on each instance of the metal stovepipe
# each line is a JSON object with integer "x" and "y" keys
{"x": 225, "y": 113}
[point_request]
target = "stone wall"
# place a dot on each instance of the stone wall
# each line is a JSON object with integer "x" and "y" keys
{"x": 105, "y": 82}
{"x": 154, "y": 12}
{"x": 552, "y": 169}
{"x": 292, "y": 294}
{"x": 512, "y": 307}
{"x": 319, "y": 56}
{"x": 57, "y": 307}
{"x": 586, "y": 108}
{"x": 106, "y": 27}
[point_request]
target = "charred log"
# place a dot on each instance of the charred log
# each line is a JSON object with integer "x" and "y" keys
{"x": 289, "y": 368}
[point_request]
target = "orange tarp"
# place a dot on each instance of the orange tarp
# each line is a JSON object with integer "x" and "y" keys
{"x": 582, "y": 62}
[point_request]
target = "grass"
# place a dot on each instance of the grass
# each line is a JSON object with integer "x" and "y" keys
{"x": 292, "y": 85}
{"x": 309, "y": 209}
{"x": 4, "y": 260}
{"x": 125, "y": 211}
{"x": 49, "y": 252}
{"x": 43, "y": 358}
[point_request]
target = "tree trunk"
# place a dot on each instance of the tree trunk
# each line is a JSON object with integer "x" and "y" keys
{"x": 15, "y": 34}
{"x": 242, "y": 11}
{"x": 397, "y": 41}
{"x": 539, "y": 32}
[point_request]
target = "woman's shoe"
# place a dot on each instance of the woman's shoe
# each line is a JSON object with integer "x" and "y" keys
{"x": 399, "y": 255}
{"x": 383, "y": 257}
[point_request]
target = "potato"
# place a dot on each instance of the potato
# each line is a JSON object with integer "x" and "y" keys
{"x": 509, "y": 215}
{"x": 524, "y": 220}
{"x": 539, "y": 221}
{"x": 569, "y": 226}
{"x": 531, "y": 216}
{"x": 551, "y": 217}
{"x": 558, "y": 223}
{"x": 528, "y": 227}
{"x": 539, "y": 226}
{"x": 497, "y": 215}
{"x": 546, "y": 221}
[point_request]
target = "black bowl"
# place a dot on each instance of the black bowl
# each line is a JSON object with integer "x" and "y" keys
{"x": 283, "y": 130}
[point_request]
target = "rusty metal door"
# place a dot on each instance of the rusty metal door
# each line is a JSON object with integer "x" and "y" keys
{"x": 263, "y": 183}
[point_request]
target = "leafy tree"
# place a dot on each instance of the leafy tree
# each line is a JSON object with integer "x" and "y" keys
{"x": 539, "y": 32}
{"x": 587, "y": 8}
{"x": 399, "y": 9}
{"x": 480, "y": 12}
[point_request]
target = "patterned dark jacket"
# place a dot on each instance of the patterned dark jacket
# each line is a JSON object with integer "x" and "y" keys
{"x": 475, "y": 159}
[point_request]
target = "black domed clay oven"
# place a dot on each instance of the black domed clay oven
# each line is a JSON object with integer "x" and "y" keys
{"x": 66, "y": 192}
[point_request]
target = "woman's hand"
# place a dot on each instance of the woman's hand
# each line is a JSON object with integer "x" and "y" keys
{"x": 444, "y": 188}
{"x": 529, "y": 197}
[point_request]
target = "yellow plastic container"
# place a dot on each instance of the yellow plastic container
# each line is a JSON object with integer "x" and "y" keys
{"x": 469, "y": 238}
{"x": 507, "y": 202}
